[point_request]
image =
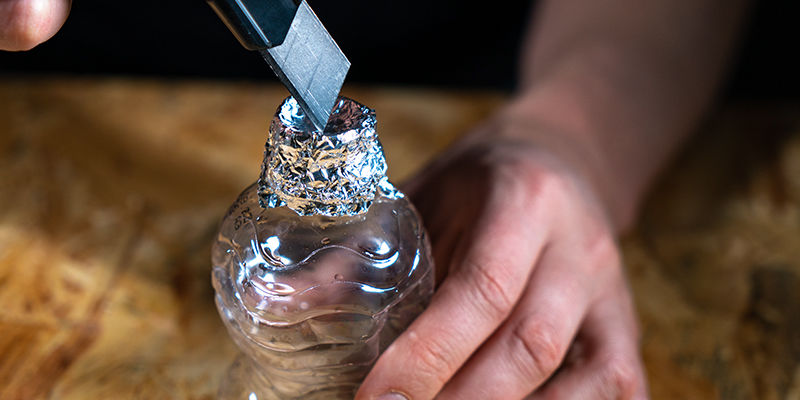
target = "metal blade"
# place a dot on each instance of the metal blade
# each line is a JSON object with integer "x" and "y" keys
{"x": 310, "y": 64}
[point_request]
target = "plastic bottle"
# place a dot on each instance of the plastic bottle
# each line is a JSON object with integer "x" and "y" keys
{"x": 320, "y": 264}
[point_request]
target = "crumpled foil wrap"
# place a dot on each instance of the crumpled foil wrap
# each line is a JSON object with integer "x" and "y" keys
{"x": 335, "y": 172}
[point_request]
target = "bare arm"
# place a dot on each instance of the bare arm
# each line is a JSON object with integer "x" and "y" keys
{"x": 523, "y": 213}
{"x": 626, "y": 80}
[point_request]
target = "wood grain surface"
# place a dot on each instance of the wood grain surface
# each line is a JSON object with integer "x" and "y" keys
{"x": 111, "y": 191}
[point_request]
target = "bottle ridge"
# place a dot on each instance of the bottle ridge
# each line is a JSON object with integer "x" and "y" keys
{"x": 320, "y": 264}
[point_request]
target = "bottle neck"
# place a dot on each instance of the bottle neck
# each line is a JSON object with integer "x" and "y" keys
{"x": 335, "y": 172}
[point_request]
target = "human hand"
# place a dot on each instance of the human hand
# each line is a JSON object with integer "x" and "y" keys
{"x": 24, "y": 24}
{"x": 534, "y": 299}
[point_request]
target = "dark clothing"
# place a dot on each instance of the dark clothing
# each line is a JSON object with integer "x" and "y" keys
{"x": 442, "y": 43}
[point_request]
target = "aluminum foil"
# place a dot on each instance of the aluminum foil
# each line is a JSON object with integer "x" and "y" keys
{"x": 335, "y": 172}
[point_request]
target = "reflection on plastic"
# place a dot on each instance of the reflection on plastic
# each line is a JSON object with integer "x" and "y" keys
{"x": 312, "y": 294}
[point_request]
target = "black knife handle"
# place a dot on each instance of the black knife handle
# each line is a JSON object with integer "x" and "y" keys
{"x": 257, "y": 24}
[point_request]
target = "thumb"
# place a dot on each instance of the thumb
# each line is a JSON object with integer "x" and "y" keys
{"x": 24, "y": 24}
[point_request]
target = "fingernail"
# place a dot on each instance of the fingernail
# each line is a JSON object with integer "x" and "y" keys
{"x": 392, "y": 396}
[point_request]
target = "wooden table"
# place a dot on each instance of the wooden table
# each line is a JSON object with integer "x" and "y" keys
{"x": 111, "y": 190}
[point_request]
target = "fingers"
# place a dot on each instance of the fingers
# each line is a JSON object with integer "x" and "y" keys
{"x": 533, "y": 341}
{"x": 611, "y": 368}
{"x": 467, "y": 308}
{"x": 26, "y": 23}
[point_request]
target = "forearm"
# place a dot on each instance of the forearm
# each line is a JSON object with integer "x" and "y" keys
{"x": 624, "y": 81}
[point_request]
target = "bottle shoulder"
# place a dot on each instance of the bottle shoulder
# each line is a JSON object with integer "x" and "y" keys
{"x": 289, "y": 238}
{"x": 276, "y": 254}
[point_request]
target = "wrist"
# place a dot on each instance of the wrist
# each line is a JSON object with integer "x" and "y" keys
{"x": 564, "y": 124}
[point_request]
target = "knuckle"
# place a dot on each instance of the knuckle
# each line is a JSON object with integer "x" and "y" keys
{"x": 523, "y": 179}
{"x": 619, "y": 379}
{"x": 493, "y": 298}
{"x": 541, "y": 182}
{"x": 602, "y": 249}
{"x": 540, "y": 349}
{"x": 433, "y": 358}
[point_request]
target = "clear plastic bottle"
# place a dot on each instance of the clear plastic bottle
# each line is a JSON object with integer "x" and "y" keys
{"x": 320, "y": 264}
